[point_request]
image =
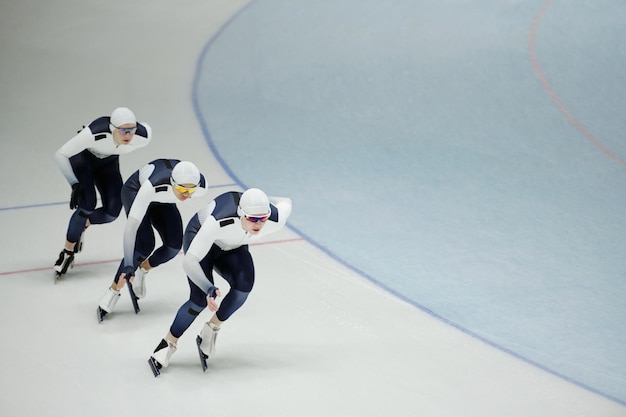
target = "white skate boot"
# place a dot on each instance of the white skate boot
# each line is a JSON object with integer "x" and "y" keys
{"x": 161, "y": 356}
{"x": 107, "y": 303}
{"x": 139, "y": 283}
{"x": 163, "y": 353}
{"x": 208, "y": 336}
{"x": 64, "y": 262}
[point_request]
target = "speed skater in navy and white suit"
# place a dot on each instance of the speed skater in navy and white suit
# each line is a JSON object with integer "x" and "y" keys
{"x": 150, "y": 197}
{"x": 216, "y": 240}
{"x": 90, "y": 163}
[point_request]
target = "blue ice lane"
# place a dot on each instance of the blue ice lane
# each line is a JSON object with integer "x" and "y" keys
{"x": 420, "y": 147}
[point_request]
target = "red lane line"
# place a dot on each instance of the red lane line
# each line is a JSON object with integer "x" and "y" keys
{"x": 295, "y": 239}
{"x": 553, "y": 96}
{"x": 25, "y": 271}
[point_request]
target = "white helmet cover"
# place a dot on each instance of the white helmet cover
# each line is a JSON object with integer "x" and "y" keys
{"x": 186, "y": 172}
{"x": 123, "y": 116}
{"x": 253, "y": 202}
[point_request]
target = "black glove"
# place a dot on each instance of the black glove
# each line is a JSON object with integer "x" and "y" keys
{"x": 77, "y": 194}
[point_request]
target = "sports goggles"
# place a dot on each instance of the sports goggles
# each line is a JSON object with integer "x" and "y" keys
{"x": 125, "y": 130}
{"x": 256, "y": 219}
{"x": 183, "y": 189}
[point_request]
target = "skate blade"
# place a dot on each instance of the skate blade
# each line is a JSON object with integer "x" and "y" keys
{"x": 203, "y": 356}
{"x": 155, "y": 366}
{"x": 133, "y": 297}
{"x": 100, "y": 313}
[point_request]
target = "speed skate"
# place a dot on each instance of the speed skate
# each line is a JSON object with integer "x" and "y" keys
{"x": 203, "y": 356}
{"x": 133, "y": 296}
{"x": 63, "y": 263}
{"x": 154, "y": 366}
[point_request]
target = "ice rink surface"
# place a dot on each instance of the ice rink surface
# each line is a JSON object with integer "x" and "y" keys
{"x": 315, "y": 337}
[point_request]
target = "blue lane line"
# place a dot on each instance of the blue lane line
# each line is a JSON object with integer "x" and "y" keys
{"x": 58, "y": 203}
{"x": 33, "y": 206}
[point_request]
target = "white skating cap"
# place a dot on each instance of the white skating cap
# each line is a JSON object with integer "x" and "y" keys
{"x": 253, "y": 202}
{"x": 186, "y": 172}
{"x": 122, "y": 116}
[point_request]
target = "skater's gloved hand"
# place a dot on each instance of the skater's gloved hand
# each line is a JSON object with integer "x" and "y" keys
{"x": 214, "y": 292}
{"x": 77, "y": 194}
{"x": 129, "y": 272}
